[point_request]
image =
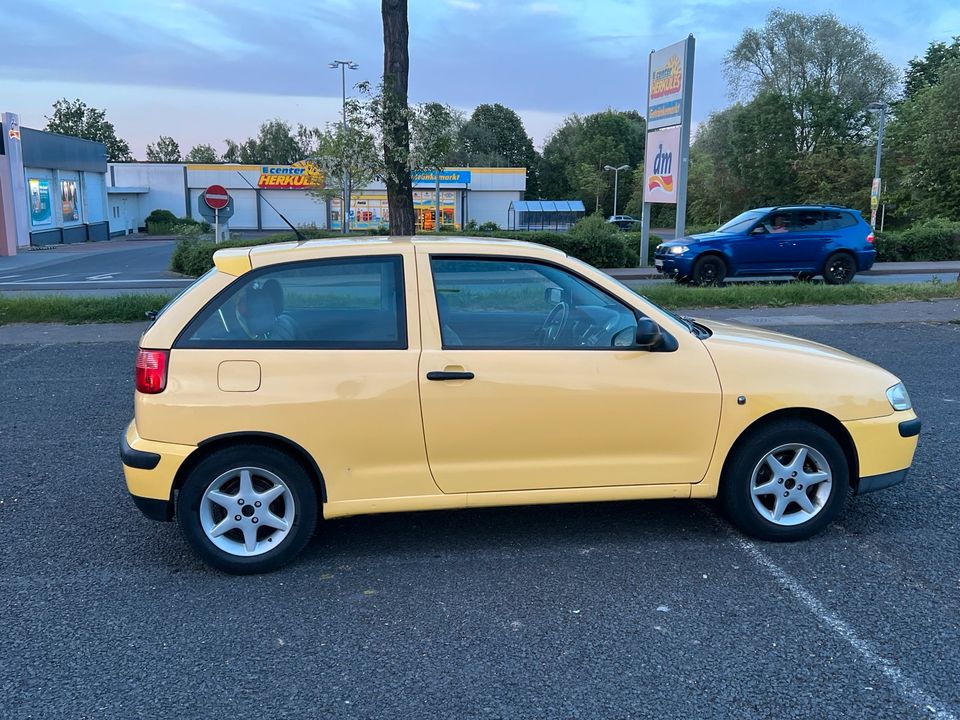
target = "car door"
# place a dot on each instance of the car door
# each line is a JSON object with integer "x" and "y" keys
{"x": 801, "y": 246}
{"x": 511, "y": 401}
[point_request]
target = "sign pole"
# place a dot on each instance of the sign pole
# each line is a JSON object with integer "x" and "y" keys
{"x": 645, "y": 208}
{"x": 685, "y": 138}
{"x": 216, "y": 225}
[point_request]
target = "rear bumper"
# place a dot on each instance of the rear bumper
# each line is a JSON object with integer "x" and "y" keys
{"x": 865, "y": 259}
{"x": 150, "y": 469}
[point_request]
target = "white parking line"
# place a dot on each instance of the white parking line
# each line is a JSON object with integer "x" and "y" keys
{"x": 7, "y": 277}
{"x": 30, "y": 280}
{"x": 905, "y": 687}
{"x": 21, "y": 283}
{"x": 24, "y": 354}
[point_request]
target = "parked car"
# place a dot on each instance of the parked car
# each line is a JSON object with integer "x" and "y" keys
{"x": 798, "y": 240}
{"x": 624, "y": 222}
{"x": 295, "y": 382}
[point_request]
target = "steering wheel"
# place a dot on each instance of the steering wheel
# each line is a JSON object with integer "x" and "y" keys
{"x": 555, "y": 323}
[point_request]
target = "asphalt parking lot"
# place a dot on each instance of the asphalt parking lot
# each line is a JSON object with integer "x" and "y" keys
{"x": 625, "y": 610}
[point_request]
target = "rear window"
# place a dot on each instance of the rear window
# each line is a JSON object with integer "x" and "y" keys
{"x": 340, "y": 303}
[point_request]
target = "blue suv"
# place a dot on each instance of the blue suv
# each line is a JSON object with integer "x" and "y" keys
{"x": 798, "y": 240}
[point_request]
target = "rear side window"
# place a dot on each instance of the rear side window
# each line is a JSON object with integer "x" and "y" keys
{"x": 342, "y": 303}
{"x": 833, "y": 220}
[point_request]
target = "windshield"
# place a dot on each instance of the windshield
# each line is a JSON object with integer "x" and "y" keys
{"x": 742, "y": 222}
{"x": 683, "y": 322}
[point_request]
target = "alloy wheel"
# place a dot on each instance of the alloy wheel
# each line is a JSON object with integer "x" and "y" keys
{"x": 791, "y": 484}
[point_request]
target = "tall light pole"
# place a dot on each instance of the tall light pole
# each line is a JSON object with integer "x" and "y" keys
{"x": 875, "y": 189}
{"x": 345, "y": 200}
{"x": 616, "y": 181}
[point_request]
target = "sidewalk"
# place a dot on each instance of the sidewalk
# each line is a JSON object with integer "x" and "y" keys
{"x": 937, "y": 311}
{"x": 880, "y": 268}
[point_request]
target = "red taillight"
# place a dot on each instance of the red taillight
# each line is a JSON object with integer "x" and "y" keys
{"x": 151, "y": 369}
{"x": 870, "y": 238}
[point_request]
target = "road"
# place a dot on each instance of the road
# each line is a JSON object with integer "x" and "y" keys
{"x": 653, "y": 609}
{"x": 133, "y": 265}
{"x": 118, "y": 265}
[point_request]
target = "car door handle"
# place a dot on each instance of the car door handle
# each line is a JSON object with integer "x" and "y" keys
{"x": 449, "y": 375}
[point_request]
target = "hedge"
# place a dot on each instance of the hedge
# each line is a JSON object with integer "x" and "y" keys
{"x": 931, "y": 241}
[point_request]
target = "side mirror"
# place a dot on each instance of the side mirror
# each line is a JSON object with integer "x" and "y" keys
{"x": 759, "y": 230}
{"x": 646, "y": 336}
{"x": 553, "y": 295}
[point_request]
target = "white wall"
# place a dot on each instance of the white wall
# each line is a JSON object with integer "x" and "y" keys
{"x": 164, "y": 181}
{"x": 297, "y": 206}
{"x": 486, "y": 206}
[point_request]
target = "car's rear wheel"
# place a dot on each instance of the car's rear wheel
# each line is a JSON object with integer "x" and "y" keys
{"x": 786, "y": 481}
{"x": 247, "y": 509}
{"x": 709, "y": 270}
{"x": 839, "y": 269}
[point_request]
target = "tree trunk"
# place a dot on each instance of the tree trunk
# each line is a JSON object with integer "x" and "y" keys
{"x": 396, "y": 125}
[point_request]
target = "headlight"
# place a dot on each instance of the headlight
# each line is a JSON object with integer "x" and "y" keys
{"x": 897, "y": 395}
{"x": 678, "y": 249}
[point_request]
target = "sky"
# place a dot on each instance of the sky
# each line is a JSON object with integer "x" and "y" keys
{"x": 207, "y": 70}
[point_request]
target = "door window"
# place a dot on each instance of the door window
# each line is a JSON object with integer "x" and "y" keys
{"x": 513, "y": 304}
{"x": 344, "y": 303}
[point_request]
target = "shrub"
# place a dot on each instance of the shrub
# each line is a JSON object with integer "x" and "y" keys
{"x": 931, "y": 240}
{"x": 161, "y": 216}
{"x": 488, "y": 226}
{"x": 597, "y": 242}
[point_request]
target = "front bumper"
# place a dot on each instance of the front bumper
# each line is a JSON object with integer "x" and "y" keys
{"x": 885, "y": 448}
{"x": 672, "y": 265}
{"x": 150, "y": 469}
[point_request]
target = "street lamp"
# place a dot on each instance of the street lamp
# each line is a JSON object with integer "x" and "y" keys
{"x": 616, "y": 181}
{"x": 345, "y": 207}
{"x": 875, "y": 191}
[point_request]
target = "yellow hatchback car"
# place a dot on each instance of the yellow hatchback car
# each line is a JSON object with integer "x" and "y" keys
{"x": 339, "y": 377}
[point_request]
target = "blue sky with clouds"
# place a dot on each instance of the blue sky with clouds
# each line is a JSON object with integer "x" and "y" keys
{"x": 206, "y": 70}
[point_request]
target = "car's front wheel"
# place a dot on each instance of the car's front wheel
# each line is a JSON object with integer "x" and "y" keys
{"x": 247, "y": 509}
{"x": 839, "y": 269}
{"x": 709, "y": 270}
{"x": 786, "y": 481}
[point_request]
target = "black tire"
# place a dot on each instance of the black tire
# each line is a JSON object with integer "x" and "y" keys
{"x": 709, "y": 270}
{"x": 736, "y": 484}
{"x": 293, "y": 475}
{"x": 839, "y": 269}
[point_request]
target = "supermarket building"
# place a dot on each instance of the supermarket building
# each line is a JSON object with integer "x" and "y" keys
{"x": 136, "y": 189}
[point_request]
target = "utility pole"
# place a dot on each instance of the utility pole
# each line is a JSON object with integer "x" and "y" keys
{"x": 345, "y": 200}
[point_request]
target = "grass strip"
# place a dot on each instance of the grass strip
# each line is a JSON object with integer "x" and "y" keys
{"x": 743, "y": 295}
{"x": 76, "y": 310}
{"x": 132, "y": 308}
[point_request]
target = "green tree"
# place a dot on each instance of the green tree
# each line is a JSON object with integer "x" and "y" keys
{"x": 349, "y": 158}
{"x": 825, "y": 71}
{"x": 926, "y": 71}
{"x": 434, "y": 142}
{"x": 77, "y": 119}
{"x": 202, "y": 154}
{"x": 165, "y": 151}
{"x": 275, "y": 144}
{"x": 494, "y": 136}
{"x": 574, "y": 157}
{"x": 924, "y": 149}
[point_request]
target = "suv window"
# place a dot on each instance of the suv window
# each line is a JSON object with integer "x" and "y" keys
{"x": 341, "y": 303}
{"x": 833, "y": 220}
{"x": 511, "y": 304}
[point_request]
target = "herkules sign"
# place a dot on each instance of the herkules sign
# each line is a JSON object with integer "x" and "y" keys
{"x": 303, "y": 175}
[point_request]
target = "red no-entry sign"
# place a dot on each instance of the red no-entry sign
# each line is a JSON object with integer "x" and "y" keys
{"x": 216, "y": 197}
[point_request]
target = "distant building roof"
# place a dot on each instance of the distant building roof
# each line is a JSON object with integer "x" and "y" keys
{"x": 547, "y": 206}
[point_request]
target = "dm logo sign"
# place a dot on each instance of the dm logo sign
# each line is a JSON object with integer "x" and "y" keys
{"x": 660, "y": 166}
